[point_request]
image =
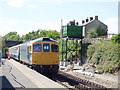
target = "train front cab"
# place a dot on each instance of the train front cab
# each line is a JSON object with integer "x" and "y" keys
{"x": 45, "y": 56}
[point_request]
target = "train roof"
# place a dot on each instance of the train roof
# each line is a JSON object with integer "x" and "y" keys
{"x": 43, "y": 39}
{"x": 36, "y": 40}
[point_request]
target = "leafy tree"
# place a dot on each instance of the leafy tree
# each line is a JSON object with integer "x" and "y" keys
{"x": 28, "y": 36}
{"x": 43, "y": 33}
{"x": 38, "y": 31}
{"x": 9, "y": 34}
{"x": 33, "y": 32}
{"x": 14, "y": 38}
{"x": 92, "y": 33}
{"x": 23, "y": 37}
{"x": 51, "y": 34}
{"x": 101, "y": 32}
{"x": 35, "y": 37}
{"x": 116, "y": 39}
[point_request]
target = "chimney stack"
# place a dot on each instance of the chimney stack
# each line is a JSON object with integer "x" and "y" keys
{"x": 91, "y": 18}
{"x": 71, "y": 23}
{"x": 96, "y": 17}
{"x": 77, "y": 23}
{"x": 87, "y": 20}
{"x": 83, "y": 21}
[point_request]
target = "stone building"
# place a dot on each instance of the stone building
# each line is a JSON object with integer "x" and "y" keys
{"x": 92, "y": 24}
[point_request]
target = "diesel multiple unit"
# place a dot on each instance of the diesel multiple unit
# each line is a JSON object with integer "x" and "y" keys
{"x": 41, "y": 53}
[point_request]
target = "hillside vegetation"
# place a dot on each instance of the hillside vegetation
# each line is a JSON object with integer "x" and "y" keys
{"x": 104, "y": 56}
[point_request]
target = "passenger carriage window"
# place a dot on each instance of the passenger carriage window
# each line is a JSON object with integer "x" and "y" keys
{"x": 46, "y": 47}
{"x": 37, "y": 48}
{"x": 54, "y": 48}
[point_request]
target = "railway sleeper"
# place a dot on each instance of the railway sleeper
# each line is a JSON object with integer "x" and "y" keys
{"x": 81, "y": 80}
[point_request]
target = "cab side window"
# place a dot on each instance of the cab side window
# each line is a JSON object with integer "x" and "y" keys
{"x": 46, "y": 47}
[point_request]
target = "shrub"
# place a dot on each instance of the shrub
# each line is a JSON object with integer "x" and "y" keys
{"x": 92, "y": 33}
{"x": 116, "y": 39}
{"x": 105, "y": 55}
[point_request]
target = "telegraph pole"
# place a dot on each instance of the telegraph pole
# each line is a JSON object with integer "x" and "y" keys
{"x": 61, "y": 38}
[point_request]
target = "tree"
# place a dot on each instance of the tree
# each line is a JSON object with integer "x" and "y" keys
{"x": 23, "y": 37}
{"x": 9, "y": 34}
{"x": 101, "y": 32}
{"x": 51, "y": 34}
{"x": 38, "y": 31}
{"x": 14, "y": 38}
{"x": 92, "y": 33}
{"x": 116, "y": 39}
{"x": 28, "y": 36}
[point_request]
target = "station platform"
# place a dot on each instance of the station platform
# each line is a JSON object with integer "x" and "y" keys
{"x": 16, "y": 75}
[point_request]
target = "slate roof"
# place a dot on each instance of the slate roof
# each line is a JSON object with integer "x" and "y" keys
{"x": 90, "y": 22}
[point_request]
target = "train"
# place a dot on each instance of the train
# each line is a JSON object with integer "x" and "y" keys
{"x": 41, "y": 53}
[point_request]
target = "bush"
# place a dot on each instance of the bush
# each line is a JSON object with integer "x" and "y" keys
{"x": 92, "y": 33}
{"x": 105, "y": 56}
{"x": 101, "y": 32}
{"x": 116, "y": 39}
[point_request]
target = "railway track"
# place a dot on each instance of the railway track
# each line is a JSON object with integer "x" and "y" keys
{"x": 70, "y": 81}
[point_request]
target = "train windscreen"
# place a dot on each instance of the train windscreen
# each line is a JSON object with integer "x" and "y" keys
{"x": 46, "y": 47}
{"x": 37, "y": 48}
{"x": 54, "y": 48}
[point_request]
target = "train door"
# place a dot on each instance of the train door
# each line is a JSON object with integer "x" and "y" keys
{"x": 30, "y": 54}
{"x": 18, "y": 52}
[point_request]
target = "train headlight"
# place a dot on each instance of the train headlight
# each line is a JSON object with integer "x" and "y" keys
{"x": 50, "y": 66}
{"x": 40, "y": 66}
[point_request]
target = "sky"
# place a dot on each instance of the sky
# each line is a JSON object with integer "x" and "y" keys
{"x": 24, "y": 16}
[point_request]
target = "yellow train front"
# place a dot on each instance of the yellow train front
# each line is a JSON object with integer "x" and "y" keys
{"x": 41, "y": 53}
{"x": 44, "y": 54}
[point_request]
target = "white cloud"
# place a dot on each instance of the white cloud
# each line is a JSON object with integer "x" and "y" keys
{"x": 62, "y": 1}
{"x": 55, "y": 25}
{"x": 112, "y": 25}
{"x": 5, "y": 30}
{"x": 16, "y": 3}
{"x": 47, "y": 26}
{"x": 32, "y": 6}
{"x": 20, "y": 3}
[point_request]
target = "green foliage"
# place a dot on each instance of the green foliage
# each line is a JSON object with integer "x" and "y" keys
{"x": 105, "y": 56}
{"x": 51, "y": 34}
{"x": 92, "y": 33}
{"x": 116, "y": 39}
{"x": 9, "y": 34}
{"x": 72, "y": 46}
{"x": 14, "y": 38}
{"x": 101, "y": 32}
{"x": 28, "y": 36}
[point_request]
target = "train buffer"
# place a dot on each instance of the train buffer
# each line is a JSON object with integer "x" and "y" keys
{"x": 16, "y": 75}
